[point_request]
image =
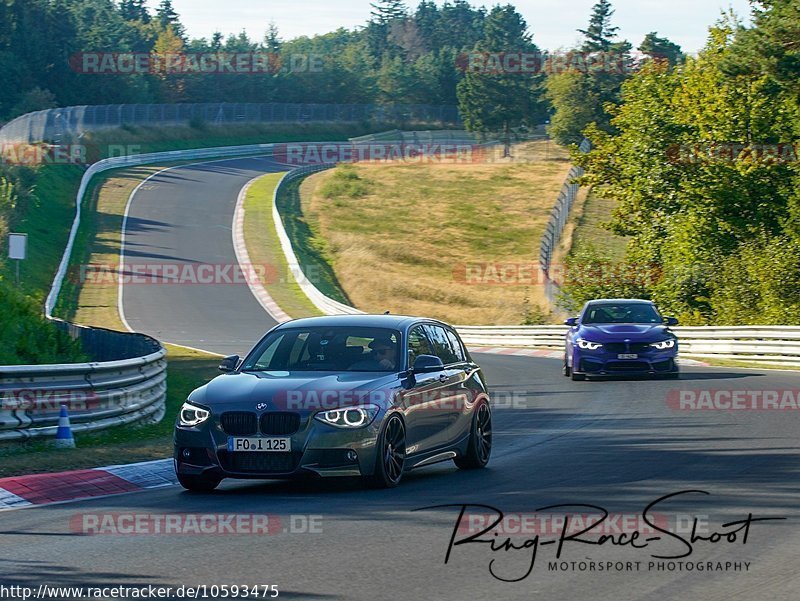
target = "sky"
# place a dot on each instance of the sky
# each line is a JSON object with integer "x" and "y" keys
{"x": 553, "y": 23}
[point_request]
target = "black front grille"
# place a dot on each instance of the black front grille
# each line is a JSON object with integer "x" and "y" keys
{"x": 259, "y": 462}
{"x": 627, "y": 366}
{"x": 239, "y": 423}
{"x": 621, "y": 347}
{"x": 279, "y": 424}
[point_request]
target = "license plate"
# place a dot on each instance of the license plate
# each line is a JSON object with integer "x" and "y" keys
{"x": 627, "y": 356}
{"x": 269, "y": 444}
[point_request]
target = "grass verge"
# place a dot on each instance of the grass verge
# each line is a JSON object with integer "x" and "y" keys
{"x": 402, "y": 236}
{"x": 264, "y": 248}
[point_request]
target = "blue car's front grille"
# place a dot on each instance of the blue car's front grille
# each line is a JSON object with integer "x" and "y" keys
{"x": 627, "y": 366}
{"x": 631, "y": 347}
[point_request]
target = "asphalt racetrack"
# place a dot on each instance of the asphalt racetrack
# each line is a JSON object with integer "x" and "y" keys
{"x": 615, "y": 445}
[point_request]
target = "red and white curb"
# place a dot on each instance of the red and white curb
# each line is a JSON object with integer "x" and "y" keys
{"x": 18, "y": 492}
{"x": 547, "y": 353}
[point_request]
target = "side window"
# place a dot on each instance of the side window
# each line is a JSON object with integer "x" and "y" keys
{"x": 417, "y": 344}
{"x": 442, "y": 347}
{"x": 455, "y": 343}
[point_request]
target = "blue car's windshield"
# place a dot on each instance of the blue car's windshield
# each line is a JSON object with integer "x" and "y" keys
{"x": 327, "y": 349}
{"x": 621, "y": 313}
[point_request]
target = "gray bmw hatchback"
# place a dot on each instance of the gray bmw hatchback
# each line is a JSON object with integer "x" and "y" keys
{"x": 351, "y": 395}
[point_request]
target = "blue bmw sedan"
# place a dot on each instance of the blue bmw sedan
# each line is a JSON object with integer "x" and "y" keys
{"x": 620, "y": 337}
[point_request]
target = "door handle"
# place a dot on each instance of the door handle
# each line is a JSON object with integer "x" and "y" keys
{"x": 443, "y": 378}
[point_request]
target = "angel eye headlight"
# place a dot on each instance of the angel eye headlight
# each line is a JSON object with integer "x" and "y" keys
{"x": 664, "y": 344}
{"x": 349, "y": 417}
{"x": 192, "y": 415}
{"x": 588, "y": 344}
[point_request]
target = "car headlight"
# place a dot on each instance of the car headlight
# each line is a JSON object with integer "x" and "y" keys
{"x": 588, "y": 344}
{"x": 664, "y": 344}
{"x": 349, "y": 417}
{"x": 192, "y": 415}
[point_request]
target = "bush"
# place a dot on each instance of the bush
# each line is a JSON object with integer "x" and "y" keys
{"x": 26, "y": 337}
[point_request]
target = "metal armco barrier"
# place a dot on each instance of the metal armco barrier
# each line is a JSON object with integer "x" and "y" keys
{"x": 778, "y": 345}
{"x": 127, "y": 385}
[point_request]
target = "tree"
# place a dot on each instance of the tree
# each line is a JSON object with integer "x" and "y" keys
{"x": 599, "y": 34}
{"x": 272, "y": 39}
{"x": 384, "y": 14}
{"x": 134, "y": 10}
{"x": 386, "y": 11}
{"x": 168, "y": 17}
{"x": 490, "y": 97}
{"x": 661, "y": 49}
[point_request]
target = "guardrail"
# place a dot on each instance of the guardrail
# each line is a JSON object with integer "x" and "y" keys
{"x": 128, "y": 384}
{"x": 779, "y": 345}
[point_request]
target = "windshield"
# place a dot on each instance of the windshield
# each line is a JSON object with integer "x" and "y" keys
{"x": 327, "y": 349}
{"x": 621, "y": 313}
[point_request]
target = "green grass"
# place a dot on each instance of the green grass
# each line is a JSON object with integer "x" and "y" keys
{"x": 264, "y": 248}
{"x": 589, "y": 232}
{"x": 309, "y": 246}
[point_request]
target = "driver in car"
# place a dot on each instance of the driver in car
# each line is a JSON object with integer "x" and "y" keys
{"x": 383, "y": 357}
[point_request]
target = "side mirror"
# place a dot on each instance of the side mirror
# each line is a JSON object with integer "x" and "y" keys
{"x": 229, "y": 364}
{"x": 427, "y": 363}
{"x": 671, "y": 321}
{"x": 572, "y": 321}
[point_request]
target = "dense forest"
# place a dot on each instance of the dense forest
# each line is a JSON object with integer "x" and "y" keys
{"x": 418, "y": 55}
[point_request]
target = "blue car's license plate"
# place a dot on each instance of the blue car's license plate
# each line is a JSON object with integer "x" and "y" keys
{"x": 627, "y": 356}
{"x": 273, "y": 444}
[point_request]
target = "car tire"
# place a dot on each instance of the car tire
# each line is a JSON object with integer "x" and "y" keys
{"x": 198, "y": 483}
{"x": 566, "y": 369}
{"x": 479, "y": 448}
{"x": 391, "y": 455}
{"x": 578, "y": 377}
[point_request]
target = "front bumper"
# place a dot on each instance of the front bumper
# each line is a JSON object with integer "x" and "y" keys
{"x": 317, "y": 450}
{"x": 603, "y": 363}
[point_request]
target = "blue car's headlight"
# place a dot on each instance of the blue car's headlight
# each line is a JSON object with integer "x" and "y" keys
{"x": 192, "y": 415}
{"x": 664, "y": 344}
{"x": 349, "y": 417}
{"x": 588, "y": 344}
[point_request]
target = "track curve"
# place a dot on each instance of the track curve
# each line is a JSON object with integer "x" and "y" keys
{"x": 615, "y": 444}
